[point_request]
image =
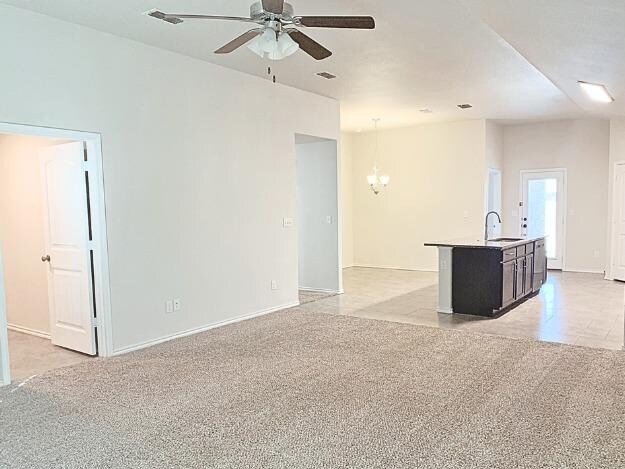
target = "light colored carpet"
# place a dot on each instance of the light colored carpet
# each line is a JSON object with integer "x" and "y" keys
{"x": 303, "y": 390}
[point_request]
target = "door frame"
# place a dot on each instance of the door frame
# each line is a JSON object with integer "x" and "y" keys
{"x": 497, "y": 172}
{"x": 102, "y": 292}
{"x": 612, "y": 228}
{"x": 564, "y": 203}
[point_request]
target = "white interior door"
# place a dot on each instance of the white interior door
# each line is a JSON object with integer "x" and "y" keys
{"x": 618, "y": 241}
{"x": 67, "y": 245}
{"x": 543, "y": 211}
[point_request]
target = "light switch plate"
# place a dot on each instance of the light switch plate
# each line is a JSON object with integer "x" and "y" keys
{"x": 288, "y": 222}
{"x": 177, "y": 304}
{"x": 169, "y": 306}
{"x": 329, "y": 219}
{"x": 274, "y": 285}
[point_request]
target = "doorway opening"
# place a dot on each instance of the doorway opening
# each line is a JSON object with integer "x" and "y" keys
{"x": 54, "y": 297}
{"x": 617, "y": 254}
{"x": 493, "y": 200}
{"x": 543, "y": 208}
{"x": 319, "y": 273}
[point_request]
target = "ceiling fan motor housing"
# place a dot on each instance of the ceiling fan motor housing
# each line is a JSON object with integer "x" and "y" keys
{"x": 258, "y": 13}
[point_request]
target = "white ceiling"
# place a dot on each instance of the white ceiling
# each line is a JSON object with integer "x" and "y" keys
{"x": 513, "y": 60}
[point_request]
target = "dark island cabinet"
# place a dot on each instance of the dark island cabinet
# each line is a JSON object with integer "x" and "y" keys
{"x": 490, "y": 282}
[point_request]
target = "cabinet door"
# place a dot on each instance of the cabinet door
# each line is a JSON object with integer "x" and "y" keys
{"x": 529, "y": 273}
{"x": 508, "y": 278}
{"x": 520, "y": 277}
{"x": 539, "y": 264}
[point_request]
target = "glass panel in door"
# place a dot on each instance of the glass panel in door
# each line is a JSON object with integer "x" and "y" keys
{"x": 543, "y": 197}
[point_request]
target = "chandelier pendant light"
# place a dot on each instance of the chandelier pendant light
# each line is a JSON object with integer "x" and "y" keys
{"x": 376, "y": 181}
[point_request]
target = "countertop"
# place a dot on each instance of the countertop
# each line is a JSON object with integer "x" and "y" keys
{"x": 479, "y": 243}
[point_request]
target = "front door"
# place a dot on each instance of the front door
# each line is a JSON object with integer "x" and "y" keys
{"x": 66, "y": 222}
{"x": 543, "y": 211}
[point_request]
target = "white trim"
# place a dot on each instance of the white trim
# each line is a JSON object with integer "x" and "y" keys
{"x": 197, "y": 330}
{"x": 5, "y": 375}
{"x": 372, "y": 266}
{"x": 609, "y": 271}
{"x": 321, "y": 290}
{"x": 583, "y": 271}
{"x": 98, "y": 212}
{"x": 29, "y": 331}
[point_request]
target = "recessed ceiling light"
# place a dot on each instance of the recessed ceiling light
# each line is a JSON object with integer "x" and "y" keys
{"x": 596, "y": 92}
{"x": 425, "y": 111}
{"x": 326, "y": 75}
{"x": 465, "y": 106}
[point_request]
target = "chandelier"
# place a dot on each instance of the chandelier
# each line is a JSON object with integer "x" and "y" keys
{"x": 376, "y": 181}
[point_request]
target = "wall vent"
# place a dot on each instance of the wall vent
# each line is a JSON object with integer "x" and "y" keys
{"x": 326, "y": 75}
{"x": 465, "y": 106}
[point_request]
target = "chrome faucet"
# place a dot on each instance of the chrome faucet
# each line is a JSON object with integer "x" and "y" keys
{"x": 486, "y": 224}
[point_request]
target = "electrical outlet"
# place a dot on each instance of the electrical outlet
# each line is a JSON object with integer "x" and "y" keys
{"x": 177, "y": 304}
{"x": 597, "y": 254}
{"x": 169, "y": 306}
{"x": 274, "y": 285}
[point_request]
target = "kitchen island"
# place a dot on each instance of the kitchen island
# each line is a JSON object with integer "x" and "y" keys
{"x": 489, "y": 278}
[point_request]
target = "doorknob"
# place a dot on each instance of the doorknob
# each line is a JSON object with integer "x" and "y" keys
{"x": 45, "y": 258}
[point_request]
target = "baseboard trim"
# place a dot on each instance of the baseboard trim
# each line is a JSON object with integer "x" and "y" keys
{"x": 370, "y": 266}
{"x": 584, "y": 271}
{"x": 320, "y": 290}
{"x": 27, "y": 330}
{"x": 197, "y": 330}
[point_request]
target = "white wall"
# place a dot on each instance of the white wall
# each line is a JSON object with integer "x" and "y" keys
{"x": 198, "y": 175}
{"x": 617, "y": 153}
{"x": 22, "y": 232}
{"x": 317, "y": 199}
{"x": 494, "y": 145}
{"x": 347, "y": 205}
{"x": 582, "y": 147}
{"x": 436, "y": 192}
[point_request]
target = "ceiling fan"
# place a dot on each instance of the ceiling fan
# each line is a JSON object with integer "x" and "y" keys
{"x": 277, "y": 35}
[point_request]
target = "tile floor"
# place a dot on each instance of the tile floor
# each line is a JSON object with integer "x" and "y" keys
{"x": 572, "y": 308}
{"x": 30, "y": 355}
{"x": 307, "y": 296}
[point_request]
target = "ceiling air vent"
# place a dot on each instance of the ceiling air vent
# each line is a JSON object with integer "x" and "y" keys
{"x": 159, "y": 15}
{"x": 326, "y": 75}
{"x": 465, "y": 106}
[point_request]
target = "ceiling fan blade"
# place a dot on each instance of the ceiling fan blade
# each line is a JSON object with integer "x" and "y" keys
{"x": 175, "y": 18}
{"x": 351, "y": 22}
{"x": 309, "y": 45}
{"x": 239, "y": 41}
{"x": 273, "y": 6}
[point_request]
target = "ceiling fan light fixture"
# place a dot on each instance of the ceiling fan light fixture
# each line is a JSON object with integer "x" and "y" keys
{"x": 272, "y": 45}
{"x": 287, "y": 45}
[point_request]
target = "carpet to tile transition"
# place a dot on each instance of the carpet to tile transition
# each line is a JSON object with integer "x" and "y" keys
{"x": 301, "y": 390}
